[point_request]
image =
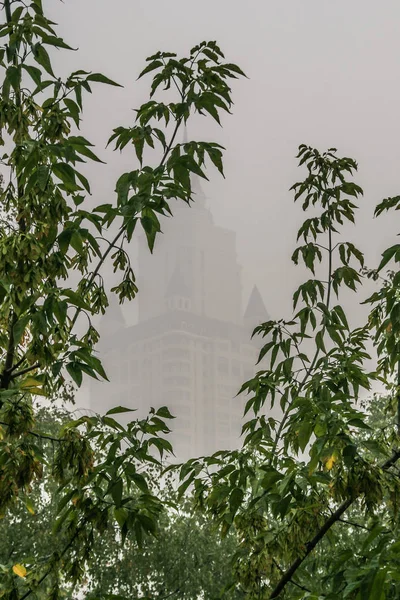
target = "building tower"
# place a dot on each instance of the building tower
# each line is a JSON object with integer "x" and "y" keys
{"x": 191, "y": 348}
{"x": 255, "y": 314}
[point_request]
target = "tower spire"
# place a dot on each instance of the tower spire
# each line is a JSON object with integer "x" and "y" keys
{"x": 177, "y": 285}
{"x": 178, "y": 295}
{"x": 256, "y": 311}
{"x": 255, "y": 314}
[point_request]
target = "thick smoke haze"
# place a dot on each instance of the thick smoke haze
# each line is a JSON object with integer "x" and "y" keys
{"x": 320, "y": 72}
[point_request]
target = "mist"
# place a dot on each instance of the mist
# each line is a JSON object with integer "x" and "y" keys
{"x": 320, "y": 73}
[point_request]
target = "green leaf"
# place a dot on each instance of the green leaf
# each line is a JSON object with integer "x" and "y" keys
{"x": 164, "y": 413}
{"x": 75, "y": 299}
{"x": 341, "y": 314}
{"x": 282, "y": 506}
{"x": 121, "y": 516}
{"x": 83, "y": 181}
{"x": 151, "y": 226}
{"x": 67, "y": 175}
{"x": 64, "y": 240}
{"x": 155, "y": 64}
{"x": 304, "y": 434}
{"x": 358, "y": 423}
{"x": 75, "y": 372}
{"x": 43, "y": 177}
{"x": 184, "y": 486}
{"x": 216, "y": 158}
{"x": 34, "y": 73}
{"x": 13, "y": 75}
{"x": 234, "y": 69}
{"x": 191, "y": 164}
{"x": 17, "y": 14}
{"x": 52, "y": 40}
{"x": 116, "y": 492}
{"x": 374, "y": 447}
{"x": 119, "y": 409}
{"x": 98, "y": 77}
{"x": 388, "y": 255}
{"x": 235, "y": 499}
{"x": 20, "y": 327}
{"x": 319, "y": 340}
{"x": 377, "y": 591}
{"x": 76, "y": 242}
{"x": 3, "y": 291}
{"x": 42, "y": 58}
{"x": 80, "y": 145}
{"x": 65, "y": 499}
{"x": 73, "y": 110}
{"x": 140, "y": 481}
{"x": 207, "y": 102}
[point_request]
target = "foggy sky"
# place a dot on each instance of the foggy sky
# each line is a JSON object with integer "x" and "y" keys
{"x": 321, "y": 72}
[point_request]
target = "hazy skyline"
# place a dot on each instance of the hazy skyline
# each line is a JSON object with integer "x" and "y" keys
{"x": 324, "y": 73}
{"x": 191, "y": 348}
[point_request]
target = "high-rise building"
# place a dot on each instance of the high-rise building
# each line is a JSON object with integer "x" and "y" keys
{"x": 191, "y": 349}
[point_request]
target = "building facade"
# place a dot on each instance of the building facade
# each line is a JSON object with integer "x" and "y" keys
{"x": 191, "y": 349}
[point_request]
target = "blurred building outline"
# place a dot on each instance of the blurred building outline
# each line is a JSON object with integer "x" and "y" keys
{"x": 191, "y": 348}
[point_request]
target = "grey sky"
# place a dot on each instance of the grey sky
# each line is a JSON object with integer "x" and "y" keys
{"x": 322, "y": 72}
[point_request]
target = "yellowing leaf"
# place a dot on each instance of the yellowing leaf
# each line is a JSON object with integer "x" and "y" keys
{"x": 75, "y": 498}
{"x": 33, "y": 385}
{"x": 330, "y": 462}
{"x": 19, "y": 570}
{"x": 30, "y": 507}
{"x": 38, "y": 392}
{"x": 31, "y": 382}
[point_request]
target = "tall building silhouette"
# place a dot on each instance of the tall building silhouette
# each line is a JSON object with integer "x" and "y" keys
{"x": 191, "y": 349}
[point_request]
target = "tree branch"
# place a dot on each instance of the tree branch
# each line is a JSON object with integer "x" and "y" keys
{"x": 354, "y": 524}
{"x": 321, "y": 533}
{"x": 42, "y": 436}
{"x": 122, "y": 230}
{"x": 24, "y": 371}
{"x": 398, "y": 397}
{"x": 301, "y": 587}
{"x": 19, "y": 363}
{"x": 7, "y": 8}
{"x": 6, "y": 375}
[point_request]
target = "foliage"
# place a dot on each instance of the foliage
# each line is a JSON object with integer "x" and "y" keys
{"x": 186, "y": 558}
{"x": 314, "y": 495}
{"x": 52, "y": 251}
